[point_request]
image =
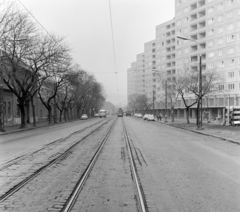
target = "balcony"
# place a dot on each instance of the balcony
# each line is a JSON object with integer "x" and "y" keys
{"x": 194, "y": 59}
{"x": 194, "y": 27}
{"x": 201, "y": 3}
{"x": 194, "y": 37}
{"x": 193, "y": 17}
{"x": 193, "y": 6}
{"x": 194, "y": 48}
{"x": 202, "y": 24}
{"x": 201, "y": 14}
{"x": 202, "y": 46}
{"x": 202, "y": 35}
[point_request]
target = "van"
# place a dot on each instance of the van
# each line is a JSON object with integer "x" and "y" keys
{"x": 102, "y": 113}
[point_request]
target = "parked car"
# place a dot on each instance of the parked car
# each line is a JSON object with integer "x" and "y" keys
{"x": 145, "y": 117}
{"x": 96, "y": 115}
{"x": 84, "y": 116}
{"x": 139, "y": 115}
{"x": 151, "y": 117}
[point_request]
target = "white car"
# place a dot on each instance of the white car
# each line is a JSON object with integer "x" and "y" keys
{"x": 145, "y": 117}
{"x": 151, "y": 117}
{"x": 84, "y": 117}
{"x": 96, "y": 115}
{"x": 139, "y": 115}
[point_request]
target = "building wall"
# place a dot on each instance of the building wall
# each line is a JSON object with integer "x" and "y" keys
{"x": 215, "y": 26}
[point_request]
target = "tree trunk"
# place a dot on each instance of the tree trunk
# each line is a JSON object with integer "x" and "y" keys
{"x": 187, "y": 115}
{"x": 33, "y": 112}
{"x": 49, "y": 115}
{"x": 22, "y": 110}
{"x": 27, "y": 112}
{"x": 172, "y": 114}
{"x": 60, "y": 118}
{"x": 55, "y": 111}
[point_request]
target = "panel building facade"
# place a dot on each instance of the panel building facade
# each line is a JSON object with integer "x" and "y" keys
{"x": 213, "y": 27}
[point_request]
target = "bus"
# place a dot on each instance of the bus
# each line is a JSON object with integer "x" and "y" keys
{"x": 102, "y": 113}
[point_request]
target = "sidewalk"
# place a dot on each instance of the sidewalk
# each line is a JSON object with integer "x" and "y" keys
{"x": 229, "y": 133}
{"x": 16, "y": 128}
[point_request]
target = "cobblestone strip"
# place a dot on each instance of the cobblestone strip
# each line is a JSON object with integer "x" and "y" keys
{"x": 19, "y": 171}
{"x": 110, "y": 186}
{"x": 50, "y": 190}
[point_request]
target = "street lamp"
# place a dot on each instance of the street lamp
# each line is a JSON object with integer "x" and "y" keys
{"x": 199, "y": 123}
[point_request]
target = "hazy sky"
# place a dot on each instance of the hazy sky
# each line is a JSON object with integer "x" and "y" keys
{"x": 86, "y": 26}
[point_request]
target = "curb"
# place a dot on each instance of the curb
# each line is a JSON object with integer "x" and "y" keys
{"x": 206, "y": 134}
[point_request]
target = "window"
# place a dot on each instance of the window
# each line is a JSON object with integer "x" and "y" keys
{"x": 229, "y": 14}
{"x": 220, "y": 41}
{"x": 210, "y": 32}
{"x": 231, "y": 74}
{"x": 210, "y": 44}
{"x": 231, "y": 62}
{"x": 230, "y": 26}
{"x": 231, "y": 86}
{"x": 210, "y": 21}
{"x": 210, "y": 65}
{"x": 230, "y": 50}
{"x": 221, "y": 87}
{"x": 210, "y": 10}
{"x": 230, "y": 38}
{"x": 229, "y": 3}
{"x": 219, "y": 18}
{"x": 220, "y": 6}
{"x": 221, "y": 64}
{"x": 220, "y": 29}
{"x": 220, "y": 52}
{"x": 211, "y": 54}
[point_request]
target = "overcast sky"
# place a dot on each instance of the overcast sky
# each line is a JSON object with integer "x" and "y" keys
{"x": 86, "y": 26}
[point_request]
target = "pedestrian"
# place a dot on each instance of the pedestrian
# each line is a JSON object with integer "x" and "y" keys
{"x": 160, "y": 116}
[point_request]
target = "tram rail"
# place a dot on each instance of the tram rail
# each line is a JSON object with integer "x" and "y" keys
{"x": 37, "y": 172}
{"x": 22, "y": 157}
{"x": 74, "y": 194}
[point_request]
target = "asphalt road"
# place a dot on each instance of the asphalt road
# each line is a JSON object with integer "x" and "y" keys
{"x": 185, "y": 171}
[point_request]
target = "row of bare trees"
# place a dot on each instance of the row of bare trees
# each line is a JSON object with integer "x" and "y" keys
{"x": 180, "y": 86}
{"x": 34, "y": 63}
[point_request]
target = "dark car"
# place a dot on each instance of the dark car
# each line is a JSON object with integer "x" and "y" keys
{"x": 128, "y": 113}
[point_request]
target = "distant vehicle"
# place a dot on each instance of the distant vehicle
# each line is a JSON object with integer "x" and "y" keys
{"x": 128, "y": 113}
{"x": 102, "y": 113}
{"x": 120, "y": 112}
{"x": 84, "y": 117}
{"x": 96, "y": 115}
{"x": 139, "y": 115}
{"x": 145, "y": 117}
{"x": 151, "y": 117}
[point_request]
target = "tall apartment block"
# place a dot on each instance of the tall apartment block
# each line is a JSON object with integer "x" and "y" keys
{"x": 214, "y": 29}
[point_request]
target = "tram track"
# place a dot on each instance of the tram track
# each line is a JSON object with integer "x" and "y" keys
{"x": 142, "y": 205}
{"x": 37, "y": 172}
{"x": 70, "y": 200}
{"x": 22, "y": 157}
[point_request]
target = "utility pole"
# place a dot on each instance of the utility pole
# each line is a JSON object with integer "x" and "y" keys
{"x": 153, "y": 100}
{"x": 2, "y": 129}
{"x": 200, "y": 92}
{"x": 165, "y": 101}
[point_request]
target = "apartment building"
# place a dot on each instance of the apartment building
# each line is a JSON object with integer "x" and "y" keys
{"x": 214, "y": 29}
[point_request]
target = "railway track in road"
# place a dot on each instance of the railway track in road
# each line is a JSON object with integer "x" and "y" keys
{"x": 22, "y": 157}
{"x": 73, "y": 195}
{"x": 17, "y": 161}
{"x": 142, "y": 206}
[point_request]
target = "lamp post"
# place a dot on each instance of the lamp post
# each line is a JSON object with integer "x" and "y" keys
{"x": 199, "y": 123}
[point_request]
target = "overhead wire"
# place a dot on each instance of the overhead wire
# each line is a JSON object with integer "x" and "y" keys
{"x": 114, "y": 54}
